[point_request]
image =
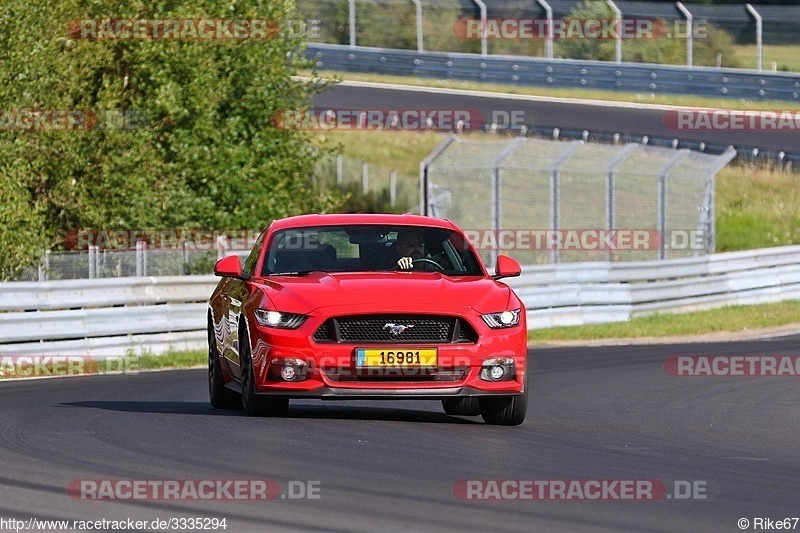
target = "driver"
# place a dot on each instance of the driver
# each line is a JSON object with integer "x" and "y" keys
{"x": 409, "y": 246}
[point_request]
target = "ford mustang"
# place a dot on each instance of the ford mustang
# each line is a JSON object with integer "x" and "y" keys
{"x": 367, "y": 307}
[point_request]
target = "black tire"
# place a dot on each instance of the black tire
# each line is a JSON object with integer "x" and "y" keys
{"x": 252, "y": 403}
{"x": 506, "y": 410}
{"x": 461, "y": 406}
{"x": 220, "y": 396}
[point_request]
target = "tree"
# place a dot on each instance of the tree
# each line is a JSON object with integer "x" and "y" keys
{"x": 193, "y": 143}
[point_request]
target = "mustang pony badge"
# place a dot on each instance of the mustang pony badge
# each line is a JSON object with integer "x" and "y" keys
{"x": 396, "y": 329}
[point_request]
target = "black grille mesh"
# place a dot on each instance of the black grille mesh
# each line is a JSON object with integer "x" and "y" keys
{"x": 377, "y": 329}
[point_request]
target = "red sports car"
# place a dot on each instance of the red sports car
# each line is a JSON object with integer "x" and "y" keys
{"x": 367, "y": 307}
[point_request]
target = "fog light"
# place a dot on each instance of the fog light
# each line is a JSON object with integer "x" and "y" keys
{"x": 289, "y": 369}
{"x": 498, "y": 369}
{"x": 496, "y": 372}
{"x": 288, "y": 373}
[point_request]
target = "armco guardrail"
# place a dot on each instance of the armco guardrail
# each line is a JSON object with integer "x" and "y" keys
{"x": 104, "y": 317}
{"x": 585, "y": 293}
{"x": 561, "y": 73}
{"x": 107, "y": 317}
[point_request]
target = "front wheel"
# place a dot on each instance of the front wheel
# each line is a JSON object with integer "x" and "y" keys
{"x": 461, "y": 406}
{"x": 506, "y": 410}
{"x": 252, "y": 403}
{"x": 219, "y": 395}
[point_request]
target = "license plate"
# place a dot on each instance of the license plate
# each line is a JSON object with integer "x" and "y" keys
{"x": 395, "y": 358}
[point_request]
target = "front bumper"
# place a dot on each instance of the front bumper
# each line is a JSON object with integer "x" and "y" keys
{"x": 331, "y": 372}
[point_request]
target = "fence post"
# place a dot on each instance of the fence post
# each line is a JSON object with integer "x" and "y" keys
{"x": 185, "y": 256}
{"x": 352, "y": 17}
{"x": 759, "y": 34}
{"x": 418, "y": 4}
{"x": 689, "y": 33}
{"x": 662, "y": 200}
{"x": 497, "y": 199}
{"x": 554, "y": 193}
{"x": 393, "y": 188}
{"x": 92, "y": 258}
{"x": 611, "y": 208}
{"x": 482, "y": 7}
{"x": 139, "y": 259}
{"x": 548, "y": 39}
{"x": 423, "y": 171}
{"x": 618, "y": 37}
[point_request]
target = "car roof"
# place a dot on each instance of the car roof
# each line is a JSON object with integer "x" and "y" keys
{"x": 302, "y": 221}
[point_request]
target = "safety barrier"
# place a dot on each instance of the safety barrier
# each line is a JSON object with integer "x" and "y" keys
{"x": 108, "y": 317}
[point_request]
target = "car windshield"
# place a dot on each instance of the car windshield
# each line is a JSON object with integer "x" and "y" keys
{"x": 359, "y": 248}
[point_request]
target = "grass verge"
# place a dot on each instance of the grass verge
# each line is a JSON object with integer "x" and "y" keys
{"x": 736, "y": 318}
{"x": 48, "y": 366}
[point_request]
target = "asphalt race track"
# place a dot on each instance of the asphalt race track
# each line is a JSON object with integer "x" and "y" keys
{"x": 595, "y": 413}
{"x": 566, "y": 115}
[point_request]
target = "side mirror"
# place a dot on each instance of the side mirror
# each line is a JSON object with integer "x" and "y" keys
{"x": 230, "y": 267}
{"x": 507, "y": 267}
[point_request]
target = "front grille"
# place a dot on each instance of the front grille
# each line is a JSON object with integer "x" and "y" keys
{"x": 417, "y": 329}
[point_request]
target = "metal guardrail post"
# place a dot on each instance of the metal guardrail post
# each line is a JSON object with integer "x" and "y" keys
{"x": 759, "y": 34}
{"x": 548, "y": 39}
{"x": 618, "y": 38}
{"x": 689, "y": 33}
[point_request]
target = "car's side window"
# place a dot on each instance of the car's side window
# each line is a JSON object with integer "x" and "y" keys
{"x": 250, "y": 263}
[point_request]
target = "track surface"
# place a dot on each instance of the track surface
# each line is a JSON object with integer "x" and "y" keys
{"x": 595, "y": 413}
{"x": 587, "y": 116}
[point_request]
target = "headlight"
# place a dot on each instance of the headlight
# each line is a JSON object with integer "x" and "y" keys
{"x": 276, "y": 319}
{"x": 505, "y": 319}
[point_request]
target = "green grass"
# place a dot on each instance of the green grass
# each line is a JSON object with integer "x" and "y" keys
{"x": 786, "y": 56}
{"x": 11, "y": 368}
{"x": 757, "y": 208}
{"x": 581, "y": 94}
{"x": 726, "y": 319}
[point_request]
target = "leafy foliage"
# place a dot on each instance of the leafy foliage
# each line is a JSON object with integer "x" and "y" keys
{"x": 203, "y": 151}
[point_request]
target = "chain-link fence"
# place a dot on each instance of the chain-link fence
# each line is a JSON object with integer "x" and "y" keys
{"x": 342, "y": 171}
{"x": 546, "y": 201}
{"x": 99, "y": 263}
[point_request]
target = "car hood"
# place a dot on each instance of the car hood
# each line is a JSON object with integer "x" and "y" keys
{"x": 384, "y": 292}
